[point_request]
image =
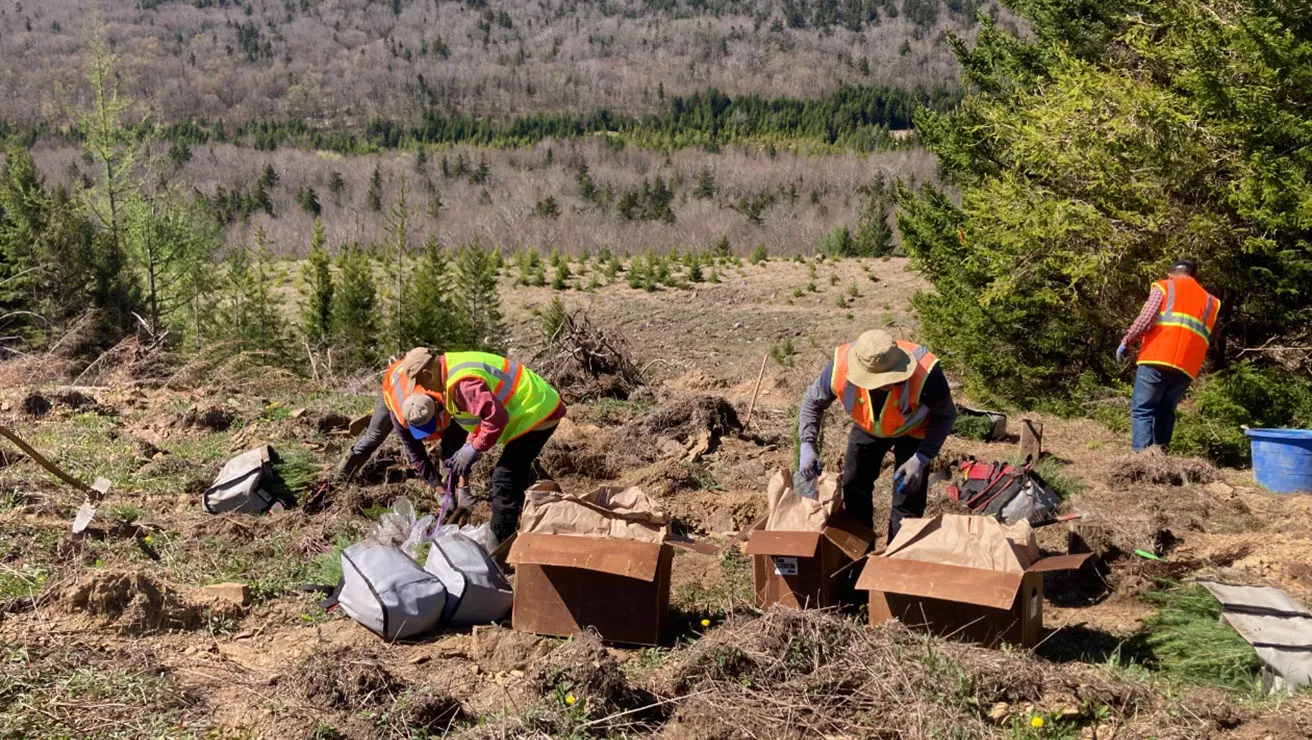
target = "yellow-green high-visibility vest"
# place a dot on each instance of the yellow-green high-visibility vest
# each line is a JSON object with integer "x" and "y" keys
{"x": 528, "y": 398}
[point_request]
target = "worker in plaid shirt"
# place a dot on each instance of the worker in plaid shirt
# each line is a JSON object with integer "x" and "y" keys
{"x": 1175, "y": 327}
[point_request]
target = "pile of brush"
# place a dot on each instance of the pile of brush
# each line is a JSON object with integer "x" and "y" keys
{"x": 583, "y": 361}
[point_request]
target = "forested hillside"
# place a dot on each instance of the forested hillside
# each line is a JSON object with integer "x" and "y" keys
{"x": 340, "y": 63}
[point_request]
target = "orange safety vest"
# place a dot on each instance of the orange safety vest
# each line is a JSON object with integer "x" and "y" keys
{"x": 1183, "y": 330}
{"x": 397, "y": 386}
{"x": 902, "y": 414}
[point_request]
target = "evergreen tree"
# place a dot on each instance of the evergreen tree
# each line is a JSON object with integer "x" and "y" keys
{"x": 317, "y": 291}
{"x": 47, "y": 253}
{"x": 355, "y": 310}
{"x": 432, "y": 318}
{"x": 373, "y": 200}
{"x": 705, "y": 184}
{"x": 1101, "y": 145}
{"x": 476, "y": 282}
{"x": 398, "y": 221}
{"x": 587, "y": 187}
{"x": 167, "y": 244}
{"x": 251, "y": 315}
{"x": 335, "y": 186}
{"x": 109, "y": 143}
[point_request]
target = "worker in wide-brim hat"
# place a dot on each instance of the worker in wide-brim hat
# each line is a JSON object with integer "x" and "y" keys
{"x": 471, "y": 401}
{"x": 899, "y": 400}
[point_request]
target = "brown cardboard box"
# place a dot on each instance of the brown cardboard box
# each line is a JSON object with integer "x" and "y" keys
{"x": 801, "y": 569}
{"x": 988, "y": 606}
{"x": 565, "y": 583}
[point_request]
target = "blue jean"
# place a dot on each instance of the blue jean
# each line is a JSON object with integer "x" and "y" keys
{"x": 1157, "y": 391}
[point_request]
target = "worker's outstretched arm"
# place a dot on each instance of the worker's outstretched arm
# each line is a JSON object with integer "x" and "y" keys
{"x": 937, "y": 397}
{"x": 815, "y": 401}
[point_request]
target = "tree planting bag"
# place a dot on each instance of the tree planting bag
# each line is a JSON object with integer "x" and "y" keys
{"x": 477, "y": 592}
{"x": 386, "y": 591}
{"x": 238, "y": 487}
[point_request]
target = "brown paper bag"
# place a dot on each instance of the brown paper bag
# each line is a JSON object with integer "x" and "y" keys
{"x": 971, "y": 541}
{"x": 792, "y": 512}
{"x": 622, "y": 513}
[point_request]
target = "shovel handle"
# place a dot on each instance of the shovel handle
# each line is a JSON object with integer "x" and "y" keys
{"x": 8, "y": 434}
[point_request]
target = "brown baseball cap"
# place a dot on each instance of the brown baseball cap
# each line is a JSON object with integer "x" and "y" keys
{"x": 416, "y": 363}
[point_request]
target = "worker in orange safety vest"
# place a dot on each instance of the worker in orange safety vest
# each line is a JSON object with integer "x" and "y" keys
{"x": 1176, "y": 326}
{"x": 899, "y": 400}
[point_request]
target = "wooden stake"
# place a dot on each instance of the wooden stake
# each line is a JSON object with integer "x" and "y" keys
{"x": 755, "y": 391}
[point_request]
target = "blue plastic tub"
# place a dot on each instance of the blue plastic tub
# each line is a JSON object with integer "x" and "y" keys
{"x": 1282, "y": 459}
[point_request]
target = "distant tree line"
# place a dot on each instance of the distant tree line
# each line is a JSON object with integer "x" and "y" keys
{"x": 851, "y": 117}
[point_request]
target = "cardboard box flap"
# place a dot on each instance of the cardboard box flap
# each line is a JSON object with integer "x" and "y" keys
{"x": 626, "y": 558}
{"x": 790, "y": 544}
{"x": 991, "y": 588}
{"x": 1059, "y": 562}
{"x": 849, "y": 535}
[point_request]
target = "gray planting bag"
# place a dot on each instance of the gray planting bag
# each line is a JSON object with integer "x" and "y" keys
{"x": 478, "y": 592}
{"x": 386, "y": 591}
{"x": 238, "y": 486}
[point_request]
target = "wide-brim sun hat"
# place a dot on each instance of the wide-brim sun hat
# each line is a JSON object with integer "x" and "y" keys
{"x": 875, "y": 360}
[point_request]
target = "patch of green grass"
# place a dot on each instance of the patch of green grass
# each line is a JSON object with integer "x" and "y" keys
{"x": 972, "y": 426}
{"x": 706, "y": 480}
{"x": 784, "y": 353}
{"x": 1185, "y": 643}
{"x": 607, "y": 411}
{"x": 83, "y": 693}
{"x": 21, "y": 583}
{"x": 1063, "y": 484}
{"x": 127, "y": 513}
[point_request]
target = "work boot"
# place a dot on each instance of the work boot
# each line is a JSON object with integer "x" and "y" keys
{"x": 348, "y": 467}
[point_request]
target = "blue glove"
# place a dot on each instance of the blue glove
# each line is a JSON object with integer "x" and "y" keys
{"x": 911, "y": 473}
{"x": 808, "y": 463}
{"x": 463, "y": 461}
{"x": 1120, "y": 353}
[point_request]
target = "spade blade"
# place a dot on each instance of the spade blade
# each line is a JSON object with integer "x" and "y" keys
{"x": 84, "y": 514}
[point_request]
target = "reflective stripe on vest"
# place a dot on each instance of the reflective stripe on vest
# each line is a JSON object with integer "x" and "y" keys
{"x": 1182, "y": 331}
{"x": 902, "y": 413}
{"x": 528, "y": 398}
{"x": 396, "y": 386}
{"x": 1168, "y": 317}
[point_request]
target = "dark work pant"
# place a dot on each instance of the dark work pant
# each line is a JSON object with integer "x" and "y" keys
{"x": 1157, "y": 391}
{"x": 379, "y": 425}
{"x": 865, "y": 453}
{"x": 510, "y": 478}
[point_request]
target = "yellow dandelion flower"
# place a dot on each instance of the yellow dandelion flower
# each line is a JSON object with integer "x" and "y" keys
{"x": 1036, "y": 721}
{"x": 570, "y": 700}
{"x": 706, "y": 623}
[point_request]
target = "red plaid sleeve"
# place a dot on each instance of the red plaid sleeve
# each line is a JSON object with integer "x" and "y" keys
{"x": 1146, "y": 319}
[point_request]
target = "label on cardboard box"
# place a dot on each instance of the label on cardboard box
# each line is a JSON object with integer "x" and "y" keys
{"x": 785, "y": 566}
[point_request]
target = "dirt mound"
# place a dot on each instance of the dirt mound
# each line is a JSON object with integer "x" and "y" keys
{"x": 498, "y": 649}
{"x": 818, "y": 673}
{"x": 332, "y": 421}
{"x": 582, "y": 450}
{"x": 345, "y": 679}
{"x": 210, "y": 418}
{"x": 1154, "y": 467}
{"x": 696, "y": 422}
{"x": 585, "y": 671}
{"x": 35, "y": 405}
{"x": 427, "y": 711}
{"x": 134, "y": 603}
